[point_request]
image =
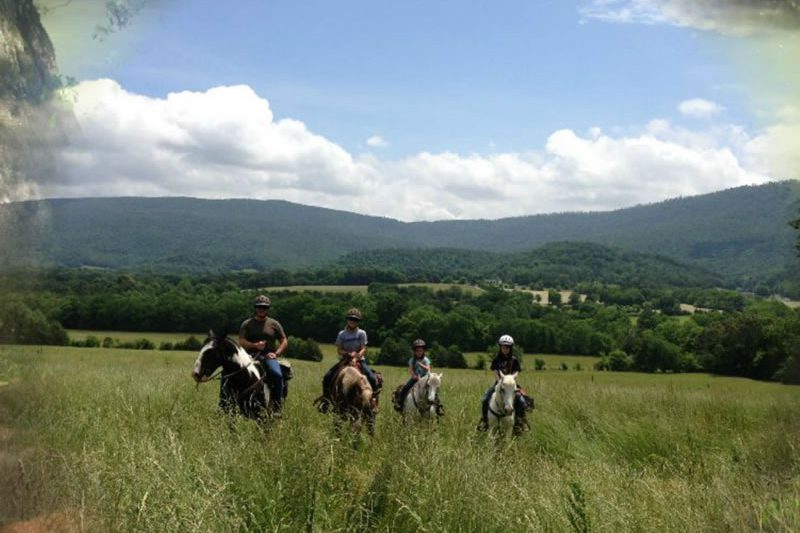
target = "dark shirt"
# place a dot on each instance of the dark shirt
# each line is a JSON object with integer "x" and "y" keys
{"x": 268, "y": 330}
{"x": 507, "y": 365}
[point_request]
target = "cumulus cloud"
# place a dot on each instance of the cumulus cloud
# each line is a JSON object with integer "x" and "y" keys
{"x": 732, "y": 17}
{"x": 699, "y": 108}
{"x": 376, "y": 141}
{"x": 226, "y": 143}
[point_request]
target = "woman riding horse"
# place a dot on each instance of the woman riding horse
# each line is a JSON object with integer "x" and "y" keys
{"x": 351, "y": 345}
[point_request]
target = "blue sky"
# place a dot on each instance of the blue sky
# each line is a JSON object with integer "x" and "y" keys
{"x": 465, "y": 101}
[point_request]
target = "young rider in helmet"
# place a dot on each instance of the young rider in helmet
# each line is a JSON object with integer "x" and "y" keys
{"x": 351, "y": 343}
{"x": 418, "y": 366}
{"x": 257, "y": 335}
{"x": 506, "y": 363}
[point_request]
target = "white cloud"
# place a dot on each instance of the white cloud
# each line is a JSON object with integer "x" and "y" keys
{"x": 376, "y": 141}
{"x": 700, "y": 108}
{"x": 225, "y": 142}
{"x": 732, "y": 17}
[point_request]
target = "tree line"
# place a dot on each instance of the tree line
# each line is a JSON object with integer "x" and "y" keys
{"x": 630, "y": 328}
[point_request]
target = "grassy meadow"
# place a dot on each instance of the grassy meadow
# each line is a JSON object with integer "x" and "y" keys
{"x": 123, "y": 440}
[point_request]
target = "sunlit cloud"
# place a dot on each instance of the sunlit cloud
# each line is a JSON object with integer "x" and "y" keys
{"x": 376, "y": 141}
{"x": 732, "y": 17}
{"x": 700, "y": 108}
{"x": 226, "y": 143}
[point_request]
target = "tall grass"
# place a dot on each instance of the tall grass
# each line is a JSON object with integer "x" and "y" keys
{"x": 126, "y": 441}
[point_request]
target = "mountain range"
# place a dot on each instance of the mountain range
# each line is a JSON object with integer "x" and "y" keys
{"x": 736, "y": 234}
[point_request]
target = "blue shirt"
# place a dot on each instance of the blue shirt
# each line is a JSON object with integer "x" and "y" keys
{"x": 418, "y": 370}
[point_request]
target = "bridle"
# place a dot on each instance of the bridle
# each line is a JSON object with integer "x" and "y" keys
{"x": 501, "y": 396}
{"x": 220, "y": 376}
{"x": 425, "y": 390}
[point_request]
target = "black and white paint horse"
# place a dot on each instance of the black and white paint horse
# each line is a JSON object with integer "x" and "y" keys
{"x": 243, "y": 386}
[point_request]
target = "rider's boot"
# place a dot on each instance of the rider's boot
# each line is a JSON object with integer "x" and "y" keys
{"x": 324, "y": 402}
{"x": 484, "y": 423}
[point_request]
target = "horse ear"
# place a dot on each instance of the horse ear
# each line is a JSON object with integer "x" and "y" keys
{"x": 211, "y": 333}
{"x": 501, "y": 374}
{"x": 514, "y": 375}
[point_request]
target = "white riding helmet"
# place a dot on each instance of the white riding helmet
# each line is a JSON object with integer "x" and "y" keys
{"x": 506, "y": 340}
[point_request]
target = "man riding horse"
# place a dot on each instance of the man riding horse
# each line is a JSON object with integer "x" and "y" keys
{"x": 351, "y": 345}
{"x": 257, "y": 335}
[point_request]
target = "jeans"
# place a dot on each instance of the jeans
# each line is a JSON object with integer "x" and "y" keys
{"x": 407, "y": 387}
{"x": 275, "y": 377}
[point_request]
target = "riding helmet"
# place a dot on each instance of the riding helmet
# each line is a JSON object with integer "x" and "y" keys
{"x": 419, "y": 343}
{"x": 353, "y": 314}
{"x": 262, "y": 301}
{"x": 506, "y": 340}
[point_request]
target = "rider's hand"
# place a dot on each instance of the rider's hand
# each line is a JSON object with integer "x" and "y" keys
{"x": 415, "y": 377}
{"x": 272, "y": 355}
{"x": 260, "y": 345}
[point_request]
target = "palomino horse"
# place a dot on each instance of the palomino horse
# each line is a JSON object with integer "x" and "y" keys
{"x": 501, "y": 405}
{"x": 242, "y": 383}
{"x": 422, "y": 400}
{"x": 351, "y": 399}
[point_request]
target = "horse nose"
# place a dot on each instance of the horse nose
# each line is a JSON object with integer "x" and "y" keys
{"x": 509, "y": 409}
{"x": 196, "y": 375}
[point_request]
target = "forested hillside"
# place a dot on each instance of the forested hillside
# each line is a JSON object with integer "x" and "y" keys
{"x": 563, "y": 265}
{"x": 741, "y": 235}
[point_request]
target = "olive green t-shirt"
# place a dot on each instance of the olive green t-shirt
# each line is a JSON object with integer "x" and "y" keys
{"x": 268, "y": 330}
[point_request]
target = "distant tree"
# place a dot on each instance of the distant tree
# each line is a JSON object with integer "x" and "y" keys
{"x": 554, "y": 297}
{"x": 450, "y": 357}
{"x": 394, "y": 352}
{"x": 616, "y": 361}
{"x": 19, "y": 324}
{"x": 305, "y": 349}
{"x": 539, "y": 364}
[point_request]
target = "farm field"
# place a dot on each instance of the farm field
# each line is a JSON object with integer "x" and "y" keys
{"x": 126, "y": 336}
{"x": 553, "y": 361}
{"x": 123, "y": 440}
{"x": 470, "y": 289}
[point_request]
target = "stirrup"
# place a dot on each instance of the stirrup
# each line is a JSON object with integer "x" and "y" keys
{"x": 323, "y": 404}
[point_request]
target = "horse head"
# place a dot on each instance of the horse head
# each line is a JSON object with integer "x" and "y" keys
{"x": 354, "y": 387}
{"x": 218, "y": 350}
{"x": 434, "y": 381}
{"x": 506, "y": 387}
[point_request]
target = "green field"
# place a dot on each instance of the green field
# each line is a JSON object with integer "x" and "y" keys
{"x": 125, "y": 336}
{"x": 470, "y": 289}
{"x": 553, "y": 361}
{"x": 123, "y": 440}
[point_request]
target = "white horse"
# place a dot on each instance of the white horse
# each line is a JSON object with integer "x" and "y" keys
{"x": 421, "y": 401}
{"x": 501, "y": 405}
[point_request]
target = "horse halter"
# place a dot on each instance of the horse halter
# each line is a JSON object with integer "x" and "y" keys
{"x": 502, "y": 395}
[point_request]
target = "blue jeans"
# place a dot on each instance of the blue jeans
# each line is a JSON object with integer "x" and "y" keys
{"x": 370, "y": 375}
{"x": 275, "y": 377}
{"x": 407, "y": 387}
